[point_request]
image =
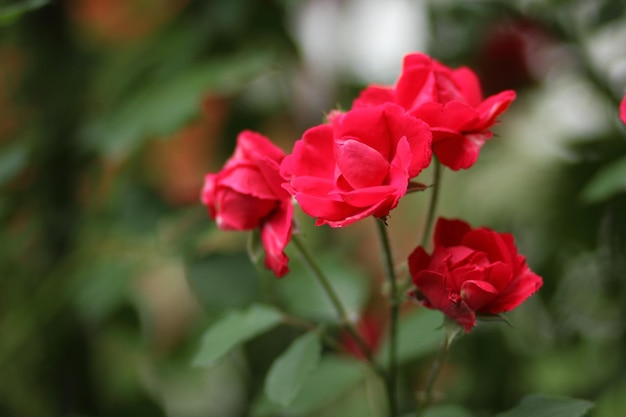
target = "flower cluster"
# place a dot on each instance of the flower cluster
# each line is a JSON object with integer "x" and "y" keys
{"x": 361, "y": 162}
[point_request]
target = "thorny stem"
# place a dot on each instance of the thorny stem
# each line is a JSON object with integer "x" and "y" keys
{"x": 336, "y": 302}
{"x": 394, "y": 308}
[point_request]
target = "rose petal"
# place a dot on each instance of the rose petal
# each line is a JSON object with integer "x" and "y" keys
{"x": 310, "y": 155}
{"x": 525, "y": 284}
{"x": 477, "y": 293}
{"x": 270, "y": 170}
{"x": 446, "y": 88}
{"x": 457, "y": 151}
{"x": 252, "y": 144}
{"x": 374, "y": 96}
{"x": 246, "y": 178}
{"x": 469, "y": 85}
{"x": 493, "y": 107}
{"x": 433, "y": 288}
{"x": 450, "y": 232}
{"x": 324, "y": 208}
{"x": 378, "y": 210}
{"x": 499, "y": 275}
{"x": 365, "y": 197}
{"x": 237, "y": 211}
{"x": 361, "y": 165}
{"x": 453, "y": 116}
{"x": 458, "y": 276}
{"x": 490, "y": 242}
{"x": 418, "y": 261}
{"x": 275, "y": 235}
{"x": 369, "y": 126}
{"x": 400, "y": 167}
{"x": 460, "y": 255}
{"x": 415, "y": 87}
{"x": 207, "y": 196}
{"x": 413, "y": 141}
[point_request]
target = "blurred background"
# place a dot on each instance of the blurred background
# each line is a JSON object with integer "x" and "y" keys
{"x": 112, "y": 111}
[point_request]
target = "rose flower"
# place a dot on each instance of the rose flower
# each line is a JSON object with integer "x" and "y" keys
{"x": 450, "y": 101}
{"x": 357, "y": 165}
{"x": 622, "y": 110}
{"x": 247, "y": 194}
{"x": 471, "y": 271}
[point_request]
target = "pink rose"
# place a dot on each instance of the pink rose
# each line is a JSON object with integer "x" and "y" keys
{"x": 247, "y": 194}
{"x": 471, "y": 271}
{"x": 358, "y": 165}
{"x": 622, "y": 110}
{"x": 450, "y": 101}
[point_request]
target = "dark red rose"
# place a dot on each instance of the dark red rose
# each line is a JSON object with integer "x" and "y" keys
{"x": 357, "y": 165}
{"x": 449, "y": 100}
{"x": 471, "y": 271}
{"x": 247, "y": 194}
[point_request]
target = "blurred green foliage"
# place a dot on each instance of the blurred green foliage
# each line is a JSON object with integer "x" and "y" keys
{"x": 110, "y": 270}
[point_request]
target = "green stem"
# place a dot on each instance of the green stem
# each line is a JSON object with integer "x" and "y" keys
{"x": 452, "y": 331}
{"x": 336, "y": 302}
{"x": 394, "y": 309}
{"x": 308, "y": 326}
{"x": 432, "y": 378}
{"x": 430, "y": 214}
{"x": 432, "y": 205}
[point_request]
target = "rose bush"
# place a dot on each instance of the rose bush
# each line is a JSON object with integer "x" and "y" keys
{"x": 357, "y": 165}
{"x": 471, "y": 271}
{"x": 247, "y": 194}
{"x": 450, "y": 101}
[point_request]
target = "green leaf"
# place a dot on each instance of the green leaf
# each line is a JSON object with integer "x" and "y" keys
{"x": 233, "y": 329}
{"x": 609, "y": 181}
{"x": 290, "y": 370}
{"x": 223, "y": 281}
{"x": 11, "y": 13}
{"x": 163, "y": 107}
{"x": 330, "y": 380}
{"x": 419, "y": 333}
{"x": 540, "y": 405}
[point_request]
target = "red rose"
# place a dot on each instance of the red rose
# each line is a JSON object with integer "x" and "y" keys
{"x": 622, "y": 110}
{"x": 450, "y": 101}
{"x": 358, "y": 165}
{"x": 247, "y": 194}
{"x": 471, "y": 271}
